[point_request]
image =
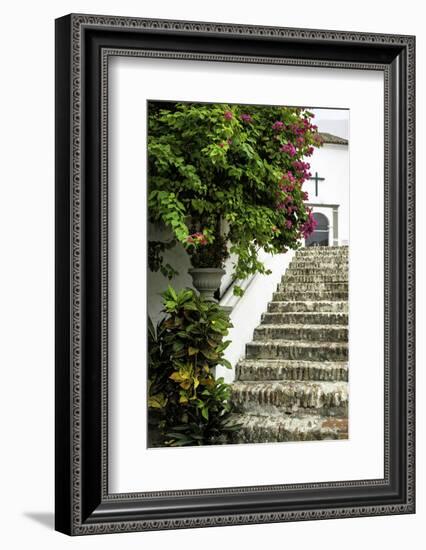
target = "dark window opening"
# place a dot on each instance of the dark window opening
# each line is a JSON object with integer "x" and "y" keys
{"x": 321, "y": 234}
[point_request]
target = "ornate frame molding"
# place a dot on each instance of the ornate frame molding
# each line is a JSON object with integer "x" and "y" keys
{"x": 85, "y": 507}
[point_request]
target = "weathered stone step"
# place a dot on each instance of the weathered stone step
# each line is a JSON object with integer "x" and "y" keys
{"x": 297, "y": 278}
{"x": 284, "y": 306}
{"x": 320, "y": 271}
{"x": 305, "y": 318}
{"x": 306, "y": 351}
{"x": 309, "y": 287}
{"x": 316, "y": 333}
{"x": 276, "y": 369}
{"x": 322, "y": 250}
{"x": 319, "y": 295}
{"x": 317, "y": 265}
{"x": 269, "y": 429}
{"x": 325, "y": 398}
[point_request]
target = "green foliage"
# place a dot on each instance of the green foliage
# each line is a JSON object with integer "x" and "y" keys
{"x": 156, "y": 263}
{"x": 187, "y": 406}
{"x": 230, "y": 166}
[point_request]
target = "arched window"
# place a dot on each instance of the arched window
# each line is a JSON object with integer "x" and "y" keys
{"x": 320, "y": 236}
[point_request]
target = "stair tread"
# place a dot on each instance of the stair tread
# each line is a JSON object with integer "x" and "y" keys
{"x": 292, "y": 384}
{"x": 299, "y": 325}
{"x": 285, "y": 418}
{"x": 303, "y": 343}
{"x": 292, "y": 362}
{"x": 284, "y": 428}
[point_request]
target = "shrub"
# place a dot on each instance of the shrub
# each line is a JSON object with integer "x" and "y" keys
{"x": 186, "y": 405}
{"x": 243, "y": 165}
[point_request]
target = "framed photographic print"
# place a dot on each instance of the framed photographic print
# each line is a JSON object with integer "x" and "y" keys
{"x": 234, "y": 274}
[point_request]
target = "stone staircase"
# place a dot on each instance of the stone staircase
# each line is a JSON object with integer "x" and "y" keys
{"x": 292, "y": 384}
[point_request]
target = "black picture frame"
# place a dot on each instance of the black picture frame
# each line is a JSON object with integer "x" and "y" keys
{"x": 83, "y": 45}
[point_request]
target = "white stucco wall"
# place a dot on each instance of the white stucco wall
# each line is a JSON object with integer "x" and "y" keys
{"x": 157, "y": 283}
{"x": 332, "y": 163}
{"x": 246, "y": 315}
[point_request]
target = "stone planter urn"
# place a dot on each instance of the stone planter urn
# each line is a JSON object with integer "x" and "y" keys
{"x": 207, "y": 280}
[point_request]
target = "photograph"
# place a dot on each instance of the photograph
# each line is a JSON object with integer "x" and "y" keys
{"x": 248, "y": 278}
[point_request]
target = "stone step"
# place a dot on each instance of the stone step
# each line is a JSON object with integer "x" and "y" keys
{"x": 273, "y": 369}
{"x": 322, "y": 250}
{"x": 297, "y": 278}
{"x": 318, "y": 264}
{"x": 319, "y": 295}
{"x": 305, "y": 318}
{"x": 305, "y": 351}
{"x": 326, "y": 255}
{"x": 310, "y": 287}
{"x": 309, "y": 271}
{"x": 269, "y": 429}
{"x": 316, "y": 333}
{"x": 284, "y": 306}
{"x": 271, "y": 398}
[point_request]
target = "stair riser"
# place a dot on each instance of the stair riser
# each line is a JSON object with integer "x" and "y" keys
{"x": 313, "y": 287}
{"x": 320, "y": 257}
{"x": 299, "y": 296}
{"x": 324, "y": 251}
{"x": 312, "y": 306}
{"x": 269, "y": 430}
{"x": 315, "y": 265}
{"x": 317, "y": 334}
{"x": 309, "y": 272}
{"x": 305, "y": 318}
{"x": 314, "y": 278}
{"x": 264, "y": 373}
{"x": 277, "y": 403}
{"x": 257, "y": 350}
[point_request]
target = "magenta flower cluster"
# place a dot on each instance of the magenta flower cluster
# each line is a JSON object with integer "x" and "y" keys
{"x": 278, "y": 125}
{"x": 308, "y": 227}
{"x": 246, "y": 118}
{"x": 297, "y": 144}
{"x": 302, "y": 170}
{"x": 289, "y": 148}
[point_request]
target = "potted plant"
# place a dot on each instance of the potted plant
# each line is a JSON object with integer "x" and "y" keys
{"x": 212, "y": 166}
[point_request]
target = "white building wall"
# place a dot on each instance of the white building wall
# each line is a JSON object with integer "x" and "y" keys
{"x": 332, "y": 163}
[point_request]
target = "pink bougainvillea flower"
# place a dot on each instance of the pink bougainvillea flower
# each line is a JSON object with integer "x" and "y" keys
{"x": 289, "y": 224}
{"x": 309, "y": 152}
{"x": 278, "y": 125}
{"x": 300, "y": 141}
{"x": 228, "y": 115}
{"x": 305, "y": 196}
{"x": 229, "y": 141}
{"x": 289, "y": 148}
{"x": 308, "y": 227}
{"x": 246, "y": 118}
